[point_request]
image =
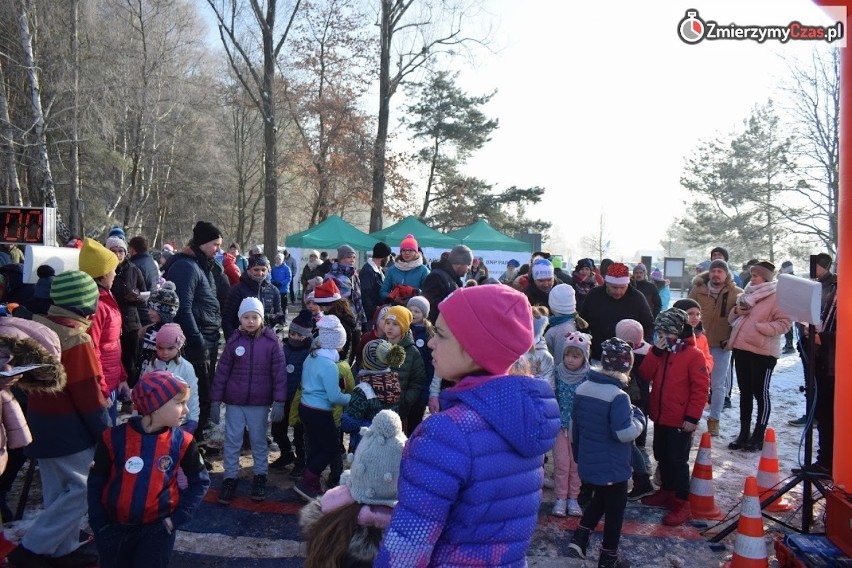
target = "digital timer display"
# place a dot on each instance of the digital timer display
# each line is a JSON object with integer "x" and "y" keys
{"x": 28, "y": 225}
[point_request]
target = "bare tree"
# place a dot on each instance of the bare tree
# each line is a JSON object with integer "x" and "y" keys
{"x": 258, "y": 84}
{"x": 597, "y": 243}
{"x": 412, "y": 33}
{"x": 814, "y": 89}
{"x": 7, "y": 146}
{"x": 74, "y": 197}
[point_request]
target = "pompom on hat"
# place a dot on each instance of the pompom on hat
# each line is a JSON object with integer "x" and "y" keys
{"x": 95, "y": 259}
{"x": 380, "y": 354}
{"x": 617, "y": 274}
{"x": 117, "y": 231}
{"x": 45, "y": 274}
{"x": 331, "y": 333}
{"x": 562, "y": 300}
{"x": 155, "y": 389}
{"x": 409, "y": 242}
{"x": 204, "y": 232}
{"x": 657, "y": 276}
{"x": 493, "y": 324}
{"x": 327, "y": 292}
{"x": 170, "y": 335}
{"x": 374, "y": 475}
{"x": 542, "y": 269}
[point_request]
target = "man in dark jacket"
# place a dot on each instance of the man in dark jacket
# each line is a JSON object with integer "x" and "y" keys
{"x": 446, "y": 277}
{"x": 372, "y": 275}
{"x": 138, "y": 252}
{"x": 616, "y": 300}
{"x": 291, "y": 264}
{"x": 252, "y": 283}
{"x": 192, "y": 271}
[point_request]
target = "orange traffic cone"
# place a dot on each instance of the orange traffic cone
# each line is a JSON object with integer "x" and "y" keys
{"x": 768, "y": 477}
{"x": 749, "y": 547}
{"x": 701, "y": 496}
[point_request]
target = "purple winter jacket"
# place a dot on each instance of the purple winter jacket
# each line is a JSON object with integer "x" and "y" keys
{"x": 251, "y": 371}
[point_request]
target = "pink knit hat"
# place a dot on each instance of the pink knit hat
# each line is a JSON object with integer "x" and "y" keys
{"x": 409, "y": 242}
{"x": 493, "y": 324}
{"x": 170, "y": 335}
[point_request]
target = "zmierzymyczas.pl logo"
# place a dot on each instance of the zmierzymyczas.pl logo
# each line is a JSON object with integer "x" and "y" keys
{"x": 693, "y": 29}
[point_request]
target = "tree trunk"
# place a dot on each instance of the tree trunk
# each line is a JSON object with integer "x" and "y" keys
{"x": 380, "y": 147}
{"x": 74, "y": 198}
{"x": 270, "y": 202}
{"x": 7, "y": 146}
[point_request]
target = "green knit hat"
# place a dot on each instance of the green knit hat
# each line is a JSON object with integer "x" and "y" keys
{"x": 75, "y": 289}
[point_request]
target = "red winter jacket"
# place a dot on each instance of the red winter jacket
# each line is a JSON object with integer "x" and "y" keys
{"x": 106, "y": 339}
{"x": 680, "y": 383}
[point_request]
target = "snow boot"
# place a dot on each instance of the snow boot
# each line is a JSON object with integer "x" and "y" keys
{"x": 713, "y": 426}
{"x": 308, "y": 487}
{"x": 755, "y": 444}
{"x": 642, "y": 487}
{"x": 579, "y": 542}
{"x": 611, "y": 559}
{"x": 742, "y": 439}
{"x": 662, "y": 499}
{"x": 680, "y": 512}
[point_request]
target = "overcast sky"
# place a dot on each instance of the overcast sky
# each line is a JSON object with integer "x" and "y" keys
{"x": 600, "y": 103}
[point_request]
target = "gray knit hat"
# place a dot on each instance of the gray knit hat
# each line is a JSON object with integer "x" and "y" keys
{"x": 374, "y": 475}
{"x": 460, "y": 254}
{"x": 345, "y": 251}
{"x": 421, "y": 303}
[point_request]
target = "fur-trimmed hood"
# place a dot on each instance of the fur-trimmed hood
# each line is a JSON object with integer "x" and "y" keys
{"x": 31, "y": 343}
{"x": 702, "y": 278}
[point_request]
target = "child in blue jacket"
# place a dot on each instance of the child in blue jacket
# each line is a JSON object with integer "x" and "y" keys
{"x": 603, "y": 427}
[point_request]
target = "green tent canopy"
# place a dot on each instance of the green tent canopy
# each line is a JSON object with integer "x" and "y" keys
{"x": 411, "y": 225}
{"x": 330, "y": 234}
{"x": 482, "y": 236}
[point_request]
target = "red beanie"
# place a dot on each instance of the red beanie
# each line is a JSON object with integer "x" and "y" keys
{"x": 493, "y": 324}
{"x": 409, "y": 242}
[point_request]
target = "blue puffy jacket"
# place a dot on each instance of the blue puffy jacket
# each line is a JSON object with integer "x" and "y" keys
{"x": 471, "y": 476}
{"x": 603, "y": 425}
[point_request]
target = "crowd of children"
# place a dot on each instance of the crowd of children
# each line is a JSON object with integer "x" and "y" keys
{"x": 466, "y": 472}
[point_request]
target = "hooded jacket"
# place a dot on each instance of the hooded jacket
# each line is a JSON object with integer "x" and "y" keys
{"x": 715, "y": 310}
{"x": 602, "y": 426}
{"x": 471, "y": 475}
{"x": 680, "y": 383}
{"x": 758, "y": 329}
{"x": 106, "y": 339}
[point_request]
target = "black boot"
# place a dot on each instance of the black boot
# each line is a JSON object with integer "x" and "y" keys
{"x": 742, "y": 440}
{"x": 755, "y": 444}
{"x": 611, "y": 559}
{"x": 642, "y": 486}
{"x": 579, "y": 543}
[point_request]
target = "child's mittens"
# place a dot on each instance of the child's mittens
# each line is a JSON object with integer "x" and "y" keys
{"x": 277, "y": 414}
{"x": 215, "y": 412}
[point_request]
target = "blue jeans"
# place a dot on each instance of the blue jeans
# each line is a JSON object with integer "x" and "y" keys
{"x": 135, "y": 546}
{"x": 719, "y": 380}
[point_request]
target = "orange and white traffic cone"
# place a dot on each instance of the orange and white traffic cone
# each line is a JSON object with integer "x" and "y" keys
{"x": 768, "y": 477}
{"x": 750, "y": 546}
{"x": 702, "y": 499}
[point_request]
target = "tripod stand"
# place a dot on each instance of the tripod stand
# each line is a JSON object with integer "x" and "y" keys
{"x": 808, "y": 477}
